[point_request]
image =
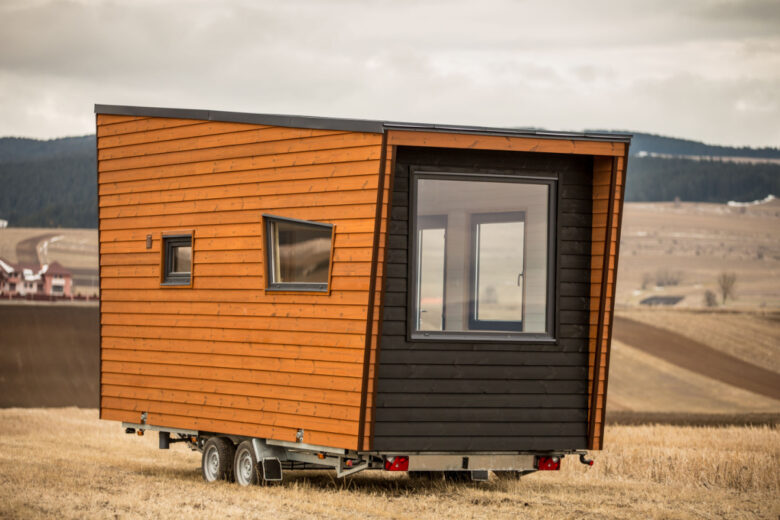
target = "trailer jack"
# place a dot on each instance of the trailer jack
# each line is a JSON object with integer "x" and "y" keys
{"x": 165, "y": 440}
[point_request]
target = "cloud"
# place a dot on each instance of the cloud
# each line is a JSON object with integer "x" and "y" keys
{"x": 693, "y": 69}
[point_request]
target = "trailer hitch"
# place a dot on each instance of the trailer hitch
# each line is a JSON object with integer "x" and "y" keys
{"x": 585, "y": 461}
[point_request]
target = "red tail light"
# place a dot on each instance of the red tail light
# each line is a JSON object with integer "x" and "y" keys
{"x": 397, "y": 463}
{"x": 548, "y": 463}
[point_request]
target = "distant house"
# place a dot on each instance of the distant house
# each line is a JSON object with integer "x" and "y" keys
{"x": 25, "y": 279}
{"x": 662, "y": 300}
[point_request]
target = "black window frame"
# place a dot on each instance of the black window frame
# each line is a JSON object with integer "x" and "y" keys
{"x": 475, "y": 324}
{"x": 169, "y": 277}
{"x": 274, "y": 286}
{"x": 487, "y": 336}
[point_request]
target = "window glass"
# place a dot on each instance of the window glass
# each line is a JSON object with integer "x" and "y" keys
{"x": 182, "y": 259}
{"x": 499, "y": 267}
{"x": 431, "y": 232}
{"x": 481, "y": 251}
{"x": 298, "y": 254}
{"x": 177, "y": 260}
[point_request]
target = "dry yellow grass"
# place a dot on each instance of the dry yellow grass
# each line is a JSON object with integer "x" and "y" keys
{"x": 64, "y": 463}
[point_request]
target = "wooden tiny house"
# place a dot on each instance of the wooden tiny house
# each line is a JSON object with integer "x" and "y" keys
{"x": 375, "y": 287}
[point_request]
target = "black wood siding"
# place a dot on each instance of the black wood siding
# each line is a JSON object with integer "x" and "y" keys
{"x": 458, "y": 396}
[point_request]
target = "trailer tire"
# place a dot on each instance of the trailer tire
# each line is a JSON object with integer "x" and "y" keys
{"x": 246, "y": 469}
{"x": 217, "y": 459}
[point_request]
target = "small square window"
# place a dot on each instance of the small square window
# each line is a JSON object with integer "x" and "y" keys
{"x": 177, "y": 260}
{"x": 298, "y": 254}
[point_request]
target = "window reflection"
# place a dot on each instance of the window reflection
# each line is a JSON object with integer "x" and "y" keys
{"x": 481, "y": 260}
{"x": 301, "y": 252}
{"x": 182, "y": 259}
{"x": 431, "y": 272}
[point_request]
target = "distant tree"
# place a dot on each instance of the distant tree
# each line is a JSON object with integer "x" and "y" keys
{"x": 666, "y": 277}
{"x": 726, "y": 283}
{"x": 710, "y": 299}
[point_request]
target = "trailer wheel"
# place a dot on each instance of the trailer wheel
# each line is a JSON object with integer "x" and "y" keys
{"x": 217, "y": 459}
{"x": 247, "y": 471}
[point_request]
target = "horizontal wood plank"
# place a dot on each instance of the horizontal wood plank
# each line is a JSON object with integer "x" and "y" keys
{"x": 268, "y": 175}
{"x": 271, "y": 148}
{"x": 507, "y": 143}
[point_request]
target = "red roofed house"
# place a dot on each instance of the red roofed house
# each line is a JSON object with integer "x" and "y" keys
{"x": 22, "y": 280}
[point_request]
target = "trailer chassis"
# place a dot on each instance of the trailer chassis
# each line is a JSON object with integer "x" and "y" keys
{"x": 270, "y": 456}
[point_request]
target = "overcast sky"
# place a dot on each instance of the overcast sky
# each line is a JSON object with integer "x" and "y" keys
{"x": 706, "y": 70}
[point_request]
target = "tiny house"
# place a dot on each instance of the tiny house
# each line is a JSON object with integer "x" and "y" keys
{"x": 298, "y": 292}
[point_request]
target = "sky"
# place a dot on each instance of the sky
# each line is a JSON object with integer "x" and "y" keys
{"x": 697, "y": 69}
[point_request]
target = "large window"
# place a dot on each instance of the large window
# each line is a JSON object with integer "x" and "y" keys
{"x": 177, "y": 260}
{"x": 298, "y": 254}
{"x": 482, "y": 255}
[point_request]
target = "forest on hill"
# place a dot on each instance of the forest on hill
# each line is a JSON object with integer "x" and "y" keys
{"x": 659, "y": 144}
{"x": 653, "y": 179}
{"x": 48, "y": 183}
{"x": 53, "y": 183}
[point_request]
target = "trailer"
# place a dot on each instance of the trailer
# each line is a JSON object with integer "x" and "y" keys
{"x": 286, "y": 292}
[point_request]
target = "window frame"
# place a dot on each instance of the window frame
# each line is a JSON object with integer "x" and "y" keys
{"x": 475, "y": 324}
{"x": 483, "y": 336}
{"x": 268, "y": 258}
{"x": 168, "y": 241}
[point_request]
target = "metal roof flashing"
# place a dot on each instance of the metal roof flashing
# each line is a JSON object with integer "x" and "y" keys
{"x": 349, "y": 125}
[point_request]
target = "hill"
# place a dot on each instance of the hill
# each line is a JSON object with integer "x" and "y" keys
{"x": 48, "y": 183}
{"x": 655, "y": 179}
{"x": 662, "y": 145}
{"x": 52, "y": 183}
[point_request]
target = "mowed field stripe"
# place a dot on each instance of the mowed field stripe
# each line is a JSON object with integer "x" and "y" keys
{"x": 697, "y": 357}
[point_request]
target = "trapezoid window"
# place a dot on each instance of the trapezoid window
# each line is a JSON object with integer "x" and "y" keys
{"x": 482, "y": 250}
{"x": 298, "y": 254}
{"x": 177, "y": 260}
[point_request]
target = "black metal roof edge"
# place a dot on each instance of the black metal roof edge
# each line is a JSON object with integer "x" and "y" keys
{"x": 349, "y": 125}
{"x": 320, "y": 123}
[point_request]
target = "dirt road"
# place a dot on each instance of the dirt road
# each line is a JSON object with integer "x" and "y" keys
{"x": 697, "y": 357}
{"x": 27, "y": 250}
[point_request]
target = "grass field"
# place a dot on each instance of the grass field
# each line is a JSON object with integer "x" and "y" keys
{"x": 640, "y": 382}
{"x": 75, "y": 249}
{"x": 697, "y": 242}
{"x": 64, "y": 463}
{"x": 751, "y": 336}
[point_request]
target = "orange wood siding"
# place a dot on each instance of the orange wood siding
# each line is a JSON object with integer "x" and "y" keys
{"x": 225, "y": 355}
{"x": 605, "y": 242}
{"x": 507, "y": 143}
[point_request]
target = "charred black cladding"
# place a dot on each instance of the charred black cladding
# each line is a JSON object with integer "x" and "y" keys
{"x": 485, "y": 329}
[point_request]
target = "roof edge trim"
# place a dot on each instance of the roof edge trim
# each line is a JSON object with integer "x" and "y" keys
{"x": 319, "y": 123}
{"x": 348, "y": 125}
